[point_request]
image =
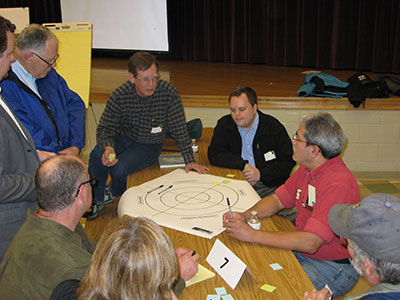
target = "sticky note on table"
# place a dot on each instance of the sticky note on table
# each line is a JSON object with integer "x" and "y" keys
{"x": 276, "y": 266}
{"x": 111, "y": 157}
{"x": 221, "y": 291}
{"x": 213, "y": 297}
{"x": 268, "y": 288}
{"x": 227, "y": 297}
{"x": 230, "y": 175}
{"x": 225, "y": 181}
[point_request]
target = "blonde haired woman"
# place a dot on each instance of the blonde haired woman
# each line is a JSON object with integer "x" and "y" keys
{"x": 134, "y": 259}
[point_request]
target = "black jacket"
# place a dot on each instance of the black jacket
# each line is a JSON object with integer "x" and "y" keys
{"x": 226, "y": 148}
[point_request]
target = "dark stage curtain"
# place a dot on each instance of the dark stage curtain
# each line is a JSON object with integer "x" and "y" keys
{"x": 40, "y": 11}
{"x": 340, "y": 34}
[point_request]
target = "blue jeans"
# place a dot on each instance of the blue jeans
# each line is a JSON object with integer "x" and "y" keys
{"x": 339, "y": 277}
{"x": 132, "y": 157}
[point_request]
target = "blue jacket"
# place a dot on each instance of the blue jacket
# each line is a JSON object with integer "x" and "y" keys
{"x": 66, "y": 106}
{"x": 322, "y": 85}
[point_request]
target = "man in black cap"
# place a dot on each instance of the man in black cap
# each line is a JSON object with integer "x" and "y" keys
{"x": 372, "y": 231}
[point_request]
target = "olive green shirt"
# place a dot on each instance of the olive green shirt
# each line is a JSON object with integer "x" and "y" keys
{"x": 43, "y": 254}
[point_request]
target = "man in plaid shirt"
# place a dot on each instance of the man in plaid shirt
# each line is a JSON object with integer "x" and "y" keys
{"x": 133, "y": 127}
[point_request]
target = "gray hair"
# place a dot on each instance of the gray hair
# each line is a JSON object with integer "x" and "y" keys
{"x": 388, "y": 272}
{"x": 323, "y": 131}
{"x": 34, "y": 37}
{"x": 57, "y": 181}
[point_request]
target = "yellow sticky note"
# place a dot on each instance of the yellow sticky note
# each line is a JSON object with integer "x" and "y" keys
{"x": 268, "y": 288}
{"x": 230, "y": 175}
{"x": 215, "y": 183}
{"x": 225, "y": 181}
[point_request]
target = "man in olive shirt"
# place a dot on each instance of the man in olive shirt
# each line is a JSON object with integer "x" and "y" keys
{"x": 51, "y": 252}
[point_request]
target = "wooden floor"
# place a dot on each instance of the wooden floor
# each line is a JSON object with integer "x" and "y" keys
{"x": 207, "y": 78}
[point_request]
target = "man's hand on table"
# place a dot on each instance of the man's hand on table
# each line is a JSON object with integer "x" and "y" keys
{"x": 196, "y": 167}
{"x": 237, "y": 227}
{"x": 187, "y": 263}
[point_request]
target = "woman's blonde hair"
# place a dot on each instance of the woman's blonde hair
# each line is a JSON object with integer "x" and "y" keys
{"x": 134, "y": 259}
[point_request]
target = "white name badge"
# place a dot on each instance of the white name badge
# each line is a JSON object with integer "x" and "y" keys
{"x": 269, "y": 155}
{"x": 226, "y": 264}
{"x": 312, "y": 198}
{"x": 156, "y": 129}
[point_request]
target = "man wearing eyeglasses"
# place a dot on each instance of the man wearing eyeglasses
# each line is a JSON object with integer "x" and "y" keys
{"x": 18, "y": 157}
{"x": 40, "y": 97}
{"x": 133, "y": 127}
{"x": 321, "y": 181}
{"x": 371, "y": 233}
{"x": 51, "y": 252}
{"x": 51, "y": 247}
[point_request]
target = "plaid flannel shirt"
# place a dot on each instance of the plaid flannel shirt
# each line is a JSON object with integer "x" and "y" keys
{"x": 145, "y": 119}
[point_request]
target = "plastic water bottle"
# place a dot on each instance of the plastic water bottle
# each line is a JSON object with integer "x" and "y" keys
{"x": 195, "y": 147}
{"x": 254, "y": 221}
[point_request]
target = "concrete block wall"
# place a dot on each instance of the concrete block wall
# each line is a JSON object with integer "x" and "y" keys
{"x": 373, "y": 137}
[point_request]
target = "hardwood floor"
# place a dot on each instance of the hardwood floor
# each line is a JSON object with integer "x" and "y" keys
{"x": 207, "y": 78}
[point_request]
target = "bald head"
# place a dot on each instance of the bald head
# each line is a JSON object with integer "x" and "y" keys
{"x": 57, "y": 181}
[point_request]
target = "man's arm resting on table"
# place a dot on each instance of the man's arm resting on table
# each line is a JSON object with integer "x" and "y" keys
{"x": 301, "y": 241}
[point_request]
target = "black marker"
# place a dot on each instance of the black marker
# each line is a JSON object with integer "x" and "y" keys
{"x": 202, "y": 229}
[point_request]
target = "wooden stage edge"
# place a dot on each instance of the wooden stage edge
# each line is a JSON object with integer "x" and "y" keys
{"x": 208, "y": 84}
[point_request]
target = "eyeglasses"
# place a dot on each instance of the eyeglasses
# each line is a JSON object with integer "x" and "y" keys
{"x": 92, "y": 181}
{"x": 297, "y": 139}
{"x": 148, "y": 79}
{"x": 49, "y": 63}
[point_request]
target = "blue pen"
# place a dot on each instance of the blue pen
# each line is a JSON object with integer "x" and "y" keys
{"x": 156, "y": 188}
{"x": 229, "y": 206}
{"x": 165, "y": 189}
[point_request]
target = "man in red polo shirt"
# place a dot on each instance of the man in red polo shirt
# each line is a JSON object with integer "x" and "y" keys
{"x": 321, "y": 181}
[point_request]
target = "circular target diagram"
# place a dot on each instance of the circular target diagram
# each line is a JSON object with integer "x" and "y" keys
{"x": 195, "y": 199}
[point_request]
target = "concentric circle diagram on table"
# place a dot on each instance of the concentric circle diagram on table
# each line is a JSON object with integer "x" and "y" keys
{"x": 192, "y": 199}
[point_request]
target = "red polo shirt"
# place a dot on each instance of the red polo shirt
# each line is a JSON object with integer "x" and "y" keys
{"x": 333, "y": 183}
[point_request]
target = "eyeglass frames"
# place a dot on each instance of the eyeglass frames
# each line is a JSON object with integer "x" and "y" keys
{"x": 148, "y": 79}
{"x": 51, "y": 63}
{"x": 92, "y": 181}
{"x": 297, "y": 139}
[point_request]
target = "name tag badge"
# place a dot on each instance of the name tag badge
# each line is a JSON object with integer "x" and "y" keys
{"x": 312, "y": 198}
{"x": 269, "y": 155}
{"x": 298, "y": 194}
{"x": 156, "y": 129}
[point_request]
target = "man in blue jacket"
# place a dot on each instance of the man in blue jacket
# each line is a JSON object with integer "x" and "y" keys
{"x": 40, "y": 97}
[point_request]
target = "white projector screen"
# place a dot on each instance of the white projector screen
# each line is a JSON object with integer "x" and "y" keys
{"x": 121, "y": 24}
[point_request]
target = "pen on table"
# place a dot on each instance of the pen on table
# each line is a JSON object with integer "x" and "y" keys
{"x": 165, "y": 189}
{"x": 202, "y": 229}
{"x": 229, "y": 206}
{"x": 156, "y": 188}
